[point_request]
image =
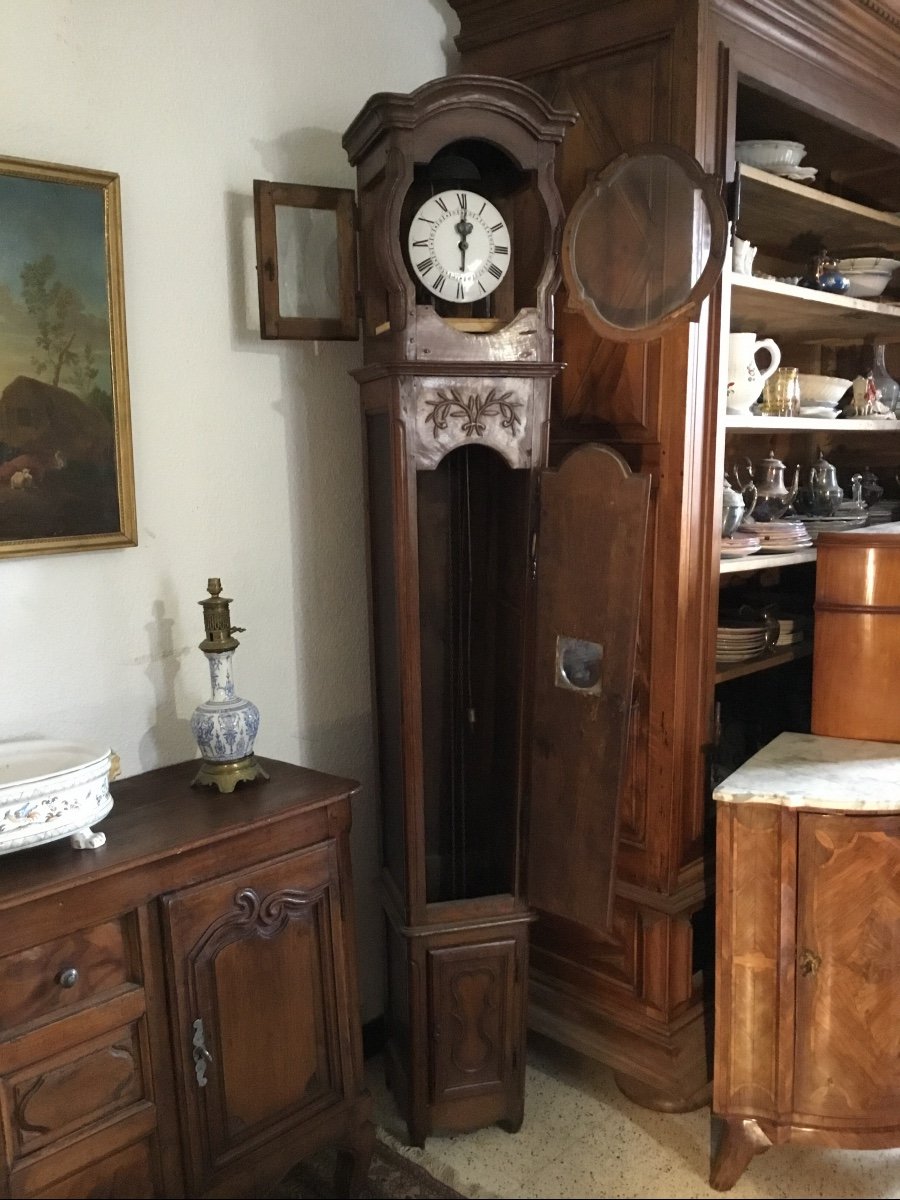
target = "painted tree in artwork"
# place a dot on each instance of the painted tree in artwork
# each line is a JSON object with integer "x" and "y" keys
{"x": 56, "y": 309}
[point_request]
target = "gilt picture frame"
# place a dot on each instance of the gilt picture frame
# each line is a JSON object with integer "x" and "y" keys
{"x": 66, "y": 462}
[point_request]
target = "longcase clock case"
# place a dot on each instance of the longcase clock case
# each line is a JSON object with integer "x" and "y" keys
{"x": 455, "y": 401}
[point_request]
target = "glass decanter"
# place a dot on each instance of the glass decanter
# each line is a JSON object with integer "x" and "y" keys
{"x": 888, "y": 387}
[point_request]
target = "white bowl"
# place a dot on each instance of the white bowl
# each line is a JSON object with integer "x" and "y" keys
{"x": 822, "y": 390}
{"x": 52, "y": 790}
{"x": 867, "y": 276}
{"x": 769, "y": 152}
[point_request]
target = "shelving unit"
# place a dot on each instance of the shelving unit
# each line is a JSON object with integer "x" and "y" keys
{"x": 820, "y": 333}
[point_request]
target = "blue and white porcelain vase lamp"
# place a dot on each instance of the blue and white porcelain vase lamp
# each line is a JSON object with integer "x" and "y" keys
{"x": 225, "y": 726}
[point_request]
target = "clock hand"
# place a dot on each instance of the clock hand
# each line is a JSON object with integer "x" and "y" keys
{"x": 463, "y": 228}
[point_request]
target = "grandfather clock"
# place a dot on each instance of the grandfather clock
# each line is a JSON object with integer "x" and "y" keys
{"x": 459, "y": 233}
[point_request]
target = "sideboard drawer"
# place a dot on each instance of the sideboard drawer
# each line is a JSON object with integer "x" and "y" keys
{"x": 81, "y": 1089}
{"x": 46, "y": 980}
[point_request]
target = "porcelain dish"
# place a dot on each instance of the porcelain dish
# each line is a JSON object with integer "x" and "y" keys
{"x": 769, "y": 152}
{"x": 822, "y": 390}
{"x": 868, "y": 277}
{"x": 52, "y": 789}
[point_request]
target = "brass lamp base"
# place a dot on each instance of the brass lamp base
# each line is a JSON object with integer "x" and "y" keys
{"x": 227, "y": 775}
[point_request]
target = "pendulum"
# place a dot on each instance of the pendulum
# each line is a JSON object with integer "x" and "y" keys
{"x": 225, "y": 726}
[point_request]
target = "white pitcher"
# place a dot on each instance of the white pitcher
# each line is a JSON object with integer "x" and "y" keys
{"x": 745, "y": 379}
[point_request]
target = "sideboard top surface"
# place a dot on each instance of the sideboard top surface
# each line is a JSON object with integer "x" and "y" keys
{"x": 159, "y": 814}
{"x": 805, "y": 770}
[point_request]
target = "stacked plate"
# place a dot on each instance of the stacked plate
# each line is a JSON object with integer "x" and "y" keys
{"x": 816, "y": 525}
{"x": 792, "y": 630}
{"x": 781, "y": 537}
{"x": 738, "y": 640}
{"x": 739, "y": 545}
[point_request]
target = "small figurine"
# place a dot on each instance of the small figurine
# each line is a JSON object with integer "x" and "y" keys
{"x": 867, "y": 400}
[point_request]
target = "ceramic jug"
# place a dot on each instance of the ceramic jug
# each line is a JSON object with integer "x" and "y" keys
{"x": 745, "y": 379}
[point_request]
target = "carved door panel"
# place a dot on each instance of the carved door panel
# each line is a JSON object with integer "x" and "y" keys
{"x": 257, "y": 997}
{"x": 475, "y": 1016}
{"x": 848, "y": 968}
{"x": 590, "y": 563}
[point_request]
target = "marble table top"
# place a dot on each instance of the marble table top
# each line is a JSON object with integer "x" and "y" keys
{"x": 803, "y": 770}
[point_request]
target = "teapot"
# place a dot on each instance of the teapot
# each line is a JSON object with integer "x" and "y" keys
{"x": 824, "y": 494}
{"x": 773, "y": 496}
{"x": 734, "y": 510}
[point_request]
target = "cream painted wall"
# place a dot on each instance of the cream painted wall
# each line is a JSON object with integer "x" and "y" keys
{"x": 246, "y": 453}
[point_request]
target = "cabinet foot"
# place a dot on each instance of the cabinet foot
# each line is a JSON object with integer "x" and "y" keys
{"x": 354, "y": 1154}
{"x": 659, "y": 1100}
{"x": 741, "y": 1140}
{"x": 512, "y": 1124}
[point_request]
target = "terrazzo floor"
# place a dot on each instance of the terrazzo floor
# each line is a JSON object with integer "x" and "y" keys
{"x": 582, "y": 1138}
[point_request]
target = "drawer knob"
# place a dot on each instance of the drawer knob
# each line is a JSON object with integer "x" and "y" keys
{"x": 68, "y": 977}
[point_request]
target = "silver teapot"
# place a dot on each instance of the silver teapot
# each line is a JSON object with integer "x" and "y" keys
{"x": 773, "y": 496}
{"x": 734, "y": 507}
{"x": 824, "y": 495}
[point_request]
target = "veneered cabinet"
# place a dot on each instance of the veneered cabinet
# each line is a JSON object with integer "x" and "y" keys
{"x": 807, "y": 979}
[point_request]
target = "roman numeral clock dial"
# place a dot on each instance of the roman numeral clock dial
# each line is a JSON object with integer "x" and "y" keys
{"x": 459, "y": 246}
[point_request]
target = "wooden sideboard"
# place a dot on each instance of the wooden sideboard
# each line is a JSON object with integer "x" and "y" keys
{"x": 808, "y": 970}
{"x": 179, "y": 1009}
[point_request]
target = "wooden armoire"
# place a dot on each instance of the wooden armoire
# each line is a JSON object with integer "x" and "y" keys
{"x": 696, "y": 74}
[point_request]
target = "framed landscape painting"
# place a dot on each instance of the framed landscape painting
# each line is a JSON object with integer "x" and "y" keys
{"x": 66, "y": 470}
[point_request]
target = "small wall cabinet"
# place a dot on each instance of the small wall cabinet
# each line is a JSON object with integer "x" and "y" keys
{"x": 808, "y": 970}
{"x": 179, "y": 1011}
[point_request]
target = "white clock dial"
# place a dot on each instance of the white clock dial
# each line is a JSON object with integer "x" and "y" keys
{"x": 459, "y": 246}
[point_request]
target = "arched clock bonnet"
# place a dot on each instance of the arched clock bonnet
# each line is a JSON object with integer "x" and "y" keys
{"x": 466, "y": 133}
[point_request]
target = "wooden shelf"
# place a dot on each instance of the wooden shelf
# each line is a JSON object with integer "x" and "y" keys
{"x": 771, "y": 205}
{"x": 765, "y": 662}
{"x": 765, "y": 562}
{"x": 839, "y": 424}
{"x": 784, "y": 312}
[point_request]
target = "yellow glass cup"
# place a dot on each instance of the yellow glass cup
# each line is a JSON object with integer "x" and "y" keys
{"x": 781, "y": 393}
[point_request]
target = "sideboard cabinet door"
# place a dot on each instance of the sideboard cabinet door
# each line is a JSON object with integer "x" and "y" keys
{"x": 259, "y": 1001}
{"x": 848, "y": 969}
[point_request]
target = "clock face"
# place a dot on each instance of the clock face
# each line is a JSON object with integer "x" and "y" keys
{"x": 459, "y": 246}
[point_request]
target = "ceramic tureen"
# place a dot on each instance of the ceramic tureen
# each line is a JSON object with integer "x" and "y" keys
{"x": 50, "y": 790}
